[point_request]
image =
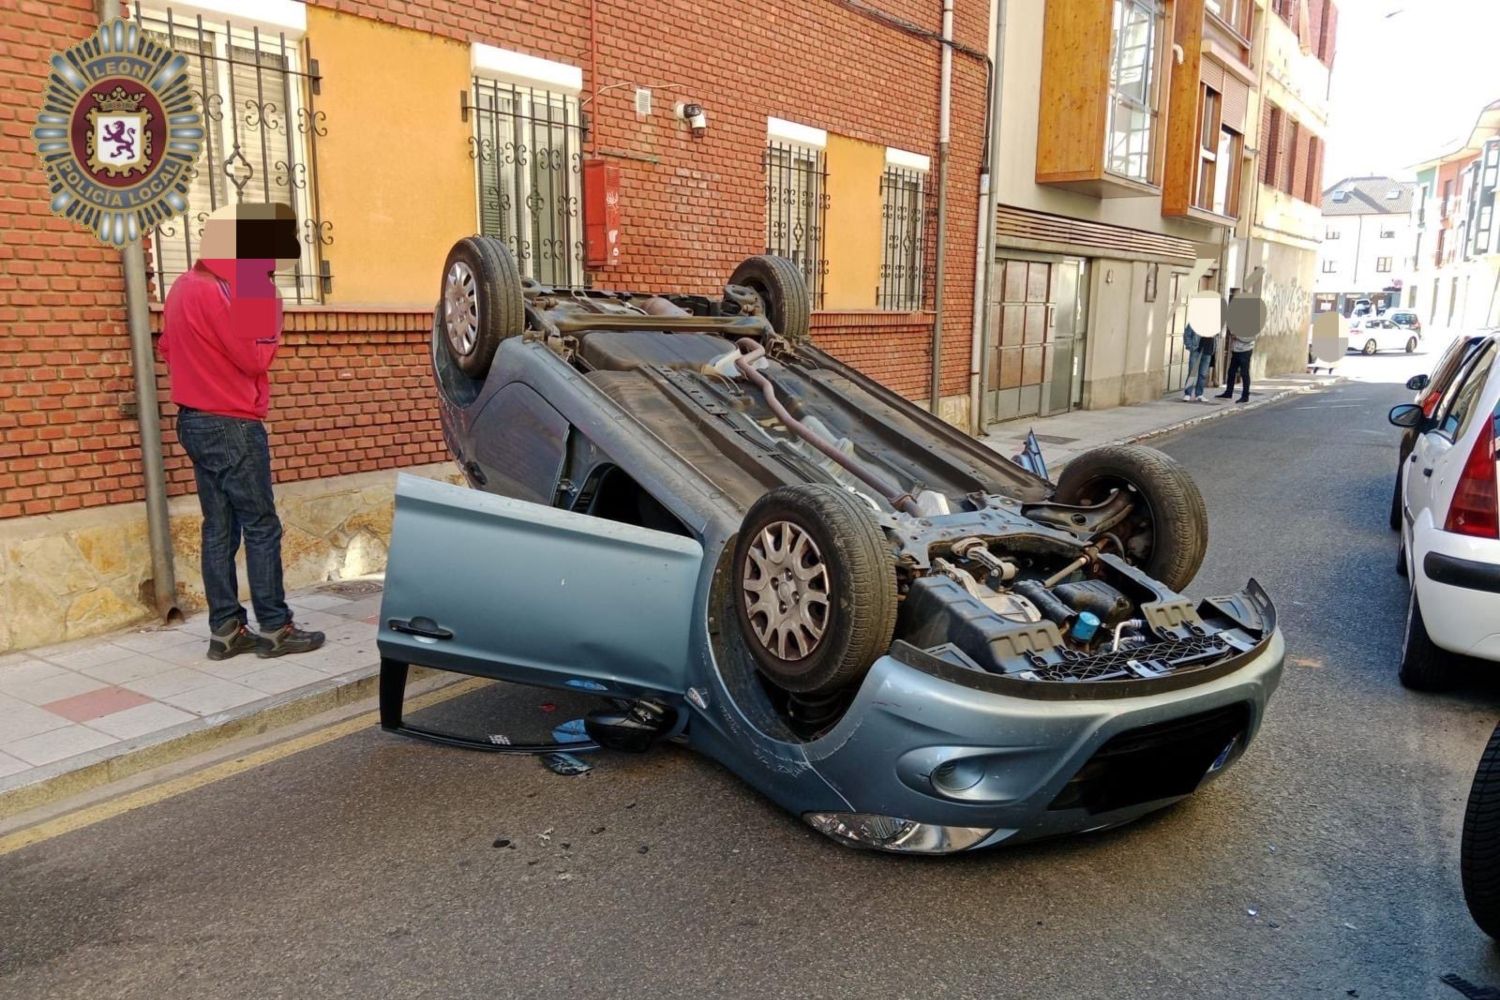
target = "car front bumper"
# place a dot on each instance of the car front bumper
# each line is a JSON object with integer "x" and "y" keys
{"x": 927, "y": 765}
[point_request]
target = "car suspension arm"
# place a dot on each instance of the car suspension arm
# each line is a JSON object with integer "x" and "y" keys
{"x": 751, "y": 352}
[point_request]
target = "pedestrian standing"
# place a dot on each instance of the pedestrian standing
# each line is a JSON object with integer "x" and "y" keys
{"x": 221, "y": 330}
{"x": 1200, "y": 358}
{"x": 1241, "y": 346}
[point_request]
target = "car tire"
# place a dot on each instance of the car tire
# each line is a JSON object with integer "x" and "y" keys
{"x": 1424, "y": 667}
{"x": 783, "y": 293}
{"x": 481, "y": 302}
{"x": 1170, "y": 534}
{"x": 1479, "y": 850}
{"x": 1396, "y": 503}
{"x": 838, "y": 559}
{"x": 1411, "y": 345}
{"x": 1370, "y": 347}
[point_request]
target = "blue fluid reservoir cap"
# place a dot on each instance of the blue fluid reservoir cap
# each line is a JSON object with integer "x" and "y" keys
{"x": 1085, "y": 626}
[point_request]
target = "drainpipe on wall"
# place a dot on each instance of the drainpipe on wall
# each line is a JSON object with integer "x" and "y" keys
{"x": 148, "y": 412}
{"x": 989, "y": 199}
{"x": 945, "y": 109}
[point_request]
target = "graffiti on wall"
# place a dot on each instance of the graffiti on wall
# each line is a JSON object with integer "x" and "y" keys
{"x": 1288, "y": 307}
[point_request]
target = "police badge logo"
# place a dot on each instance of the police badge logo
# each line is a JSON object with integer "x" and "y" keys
{"x": 119, "y": 133}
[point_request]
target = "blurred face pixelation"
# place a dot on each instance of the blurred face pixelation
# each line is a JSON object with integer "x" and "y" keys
{"x": 252, "y": 231}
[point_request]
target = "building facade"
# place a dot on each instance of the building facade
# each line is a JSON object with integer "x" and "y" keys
{"x": 1295, "y": 46}
{"x": 1369, "y": 244}
{"x": 1133, "y": 142}
{"x": 395, "y": 128}
{"x": 1456, "y": 277}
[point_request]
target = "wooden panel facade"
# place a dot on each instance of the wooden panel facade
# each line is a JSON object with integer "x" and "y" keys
{"x": 1074, "y": 91}
{"x": 1183, "y": 111}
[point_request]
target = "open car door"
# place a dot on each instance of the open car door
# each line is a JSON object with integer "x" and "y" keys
{"x": 487, "y": 585}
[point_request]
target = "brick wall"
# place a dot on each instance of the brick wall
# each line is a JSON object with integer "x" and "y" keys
{"x": 351, "y": 390}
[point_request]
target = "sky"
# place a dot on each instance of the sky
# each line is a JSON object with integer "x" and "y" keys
{"x": 1409, "y": 80}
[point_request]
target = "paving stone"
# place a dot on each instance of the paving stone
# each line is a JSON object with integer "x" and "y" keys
{"x": 281, "y": 677}
{"x": 317, "y": 602}
{"x": 57, "y": 744}
{"x": 94, "y": 704}
{"x": 19, "y": 720}
{"x": 152, "y": 717}
{"x": 154, "y": 641}
{"x": 215, "y": 696}
{"x": 133, "y": 667}
{"x": 84, "y": 656}
{"x": 23, "y": 670}
{"x": 12, "y": 765}
{"x": 170, "y": 682}
{"x": 52, "y": 687}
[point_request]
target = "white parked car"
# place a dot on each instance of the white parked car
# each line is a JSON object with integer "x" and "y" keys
{"x": 1368, "y": 334}
{"x": 1450, "y": 531}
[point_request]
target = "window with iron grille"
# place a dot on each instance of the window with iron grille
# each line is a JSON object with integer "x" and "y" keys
{"x": 1382, "y": 265}
{"x": 796, "y": 207}
{"x": 528, "y": 165}
{"x": 902, "y": 225}
{"x": 257, "y": 90}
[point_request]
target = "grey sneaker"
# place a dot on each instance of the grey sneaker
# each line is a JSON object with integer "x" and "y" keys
{"x": 288, "y": 639}
{"x": 234, "y": 640}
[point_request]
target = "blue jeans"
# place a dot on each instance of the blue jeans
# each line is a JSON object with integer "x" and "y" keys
{"x": 232, "y": 464}
{"x": 1198, "y": 364}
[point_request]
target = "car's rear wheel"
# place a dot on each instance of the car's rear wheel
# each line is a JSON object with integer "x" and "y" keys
{"x": 482, "y": 302}
{"x": 1371, "y": 347}
{"x": 1424, "y": 667}
{"x": 783, "y": 293}
{"x": 1167, "y": 532}
{"x": 1411, "y": 345}
{"x": 815, "y": 588}
{"x": 1479, "y": 851}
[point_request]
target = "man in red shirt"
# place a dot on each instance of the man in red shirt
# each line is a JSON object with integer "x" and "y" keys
{"x": 220, "y": 333}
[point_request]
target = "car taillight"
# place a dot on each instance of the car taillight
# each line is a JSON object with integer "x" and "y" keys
{"x": 1476, "y": 502}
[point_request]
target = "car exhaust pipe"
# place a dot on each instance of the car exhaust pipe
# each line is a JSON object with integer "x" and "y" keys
{"x": 752, "y": 352}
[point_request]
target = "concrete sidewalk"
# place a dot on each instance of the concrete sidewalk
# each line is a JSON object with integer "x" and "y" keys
{"x": 83, "y": 714}
{"x": 1068, "y": 434}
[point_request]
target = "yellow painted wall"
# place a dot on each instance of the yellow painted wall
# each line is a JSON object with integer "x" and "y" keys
{"x": 853, "y": 239}
{"x": 394, "y": 174}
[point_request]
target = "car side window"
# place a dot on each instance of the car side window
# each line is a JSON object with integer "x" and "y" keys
{"x": 1454, "y": 421}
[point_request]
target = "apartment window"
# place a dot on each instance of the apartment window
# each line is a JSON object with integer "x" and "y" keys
{"x": 1387, "y": 233}
{"x": 1484, "y": 196}
{"x": 1234, "y": 13}
{"x": 1271, "y": 141}
{"x": 1422, "y": 207}
{"x": 1289, "y": 176}
{"x": 1330, "y": 267}
{"x": 1313, "y": 182}
{"x": 1134, "y": 59}
{"x": 256, "y": 87}
{"x": 1447, "y": 197}
{"x": 902, "y": 231}
{"x": 527, "y": 148}
{"x": 1332, "y": 234}
{"x": 1382, "y": 265}
{"x": 796, "y": 207}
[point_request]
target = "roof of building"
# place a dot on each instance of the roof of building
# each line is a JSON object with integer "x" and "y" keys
{"x": 1368, "y": 196}
{"x": 1486, "y": 126}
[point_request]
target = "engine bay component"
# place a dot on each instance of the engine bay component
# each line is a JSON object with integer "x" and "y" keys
{"x": 1051, "y": 608}
{"x": 1097, "y": 598}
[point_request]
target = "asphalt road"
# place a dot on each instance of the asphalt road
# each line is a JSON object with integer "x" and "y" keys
{"x": 1323, "y": 865}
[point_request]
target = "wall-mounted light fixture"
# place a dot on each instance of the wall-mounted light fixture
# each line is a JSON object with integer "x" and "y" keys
{"x": 693, "y": 114}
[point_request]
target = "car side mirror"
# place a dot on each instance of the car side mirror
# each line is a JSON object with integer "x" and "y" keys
{"x": 1418, "y": 382}
{"x": 1406, "y": 415}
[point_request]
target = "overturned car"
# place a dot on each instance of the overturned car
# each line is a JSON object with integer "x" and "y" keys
{"x": 912, "y": 643}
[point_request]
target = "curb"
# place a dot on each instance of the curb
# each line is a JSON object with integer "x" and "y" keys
{"x": 258, "y": 718}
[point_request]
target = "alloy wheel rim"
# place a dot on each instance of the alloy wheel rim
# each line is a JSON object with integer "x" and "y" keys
{"x": 461, "y": 308}
{"x": 786, "y": 591}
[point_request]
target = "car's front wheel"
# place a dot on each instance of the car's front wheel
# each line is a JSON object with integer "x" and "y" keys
{"x": 482, "y": 302}
{"x": 1479, "y": 851}
{"x": 1167, "y": 532}
{"x": 815, "y": 588}
{"x": 1411, "y": 345}
{"x": 1424, "y": 667}
{"x": 1371, "y": 347}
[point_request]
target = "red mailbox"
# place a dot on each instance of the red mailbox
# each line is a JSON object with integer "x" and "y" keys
{"x": 601, "y": 213}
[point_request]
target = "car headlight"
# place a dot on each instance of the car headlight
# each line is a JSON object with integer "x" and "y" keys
{"x": 890, "y": 833}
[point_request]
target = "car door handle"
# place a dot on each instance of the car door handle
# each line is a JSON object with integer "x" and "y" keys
{"x": 1427, "y": 472}
{"x": 476, "y": 473}
{"x": 421, "y": 626}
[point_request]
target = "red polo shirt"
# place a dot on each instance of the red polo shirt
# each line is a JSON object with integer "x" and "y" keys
{"x": 220, "y": 333}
